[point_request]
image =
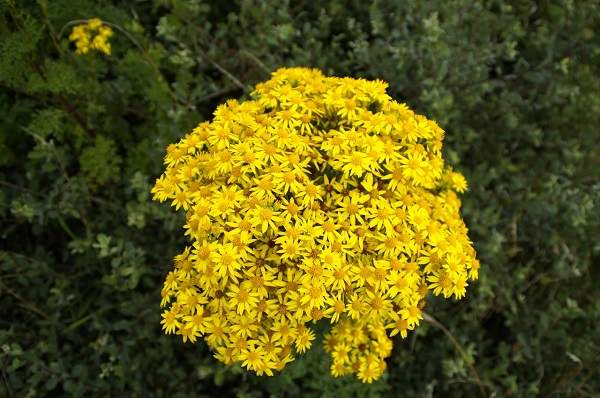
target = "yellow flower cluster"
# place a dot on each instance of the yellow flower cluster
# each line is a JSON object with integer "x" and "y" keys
{"x": 91, "y": 36}
{"x": 321, "y": 198}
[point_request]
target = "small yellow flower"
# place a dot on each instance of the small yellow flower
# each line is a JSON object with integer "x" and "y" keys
{"x": 304, "y": 339}
{"x": 91, "y": 36}
{"x": 170, "y": 322}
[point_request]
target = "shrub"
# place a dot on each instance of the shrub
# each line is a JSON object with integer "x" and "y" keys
{"x": 81, "y": 138}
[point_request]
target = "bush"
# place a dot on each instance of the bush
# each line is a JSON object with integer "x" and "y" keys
{"x": 84, "y": 251}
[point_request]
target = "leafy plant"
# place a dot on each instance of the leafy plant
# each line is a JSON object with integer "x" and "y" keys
{"x": 83, "y": 252}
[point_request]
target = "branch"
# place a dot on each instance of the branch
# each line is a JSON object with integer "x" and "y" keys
{"x": 256, "y": 61}
{"x": 431, "y": 320}
{"x": 224, "y": 71}
{"x": 24, "y": 303}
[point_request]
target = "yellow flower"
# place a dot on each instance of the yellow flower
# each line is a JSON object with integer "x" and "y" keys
{"x": 336, "y": 308}
{"x": 320, "y": 198}
{"x": 170, "y": 322}
{"x": 399, "y": 326}
{"x": 304, "y": 339}
{"x": 91, "y": 36}
{"x": 369, "y": 370}
{"x": 251, "y": 359}
{"x": 187, "y": 332}
{"x": 412, "y": 314}
{"x": 241, "y": 298}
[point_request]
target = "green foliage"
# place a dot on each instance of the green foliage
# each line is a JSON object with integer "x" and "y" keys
{"x": 514, "y": 84}
{"x": 102, "y": 153}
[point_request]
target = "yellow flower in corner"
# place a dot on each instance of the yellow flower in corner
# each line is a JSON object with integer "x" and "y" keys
{"x": 321, "y": 198}
{"x": 92, "y": 35}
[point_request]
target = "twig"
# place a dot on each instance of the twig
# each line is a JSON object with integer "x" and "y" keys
{"x": 46, "y": 143}
{"x": 18, "y": 187}
{"x": 217, "y": 94}
{"x": 67, "y": 106}
{"x": 431, "y": 320}
{"x": 74, "y": 325}
{"x": 5, "y": 254}
{"x": 70, "y": 109}
{"x": 31, "y": 259}
{"x": 24, "y": 303}
{"x": 256, "y": 61}
{"x": 5, "y": 379}
{"x": 205, "y": 56}
{"x": 224, "y": 71}
{"x": 53, "y": 36}
{"x": 92, "y": 198}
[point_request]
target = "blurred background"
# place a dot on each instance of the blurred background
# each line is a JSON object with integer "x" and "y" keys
{"x": 83, "y": 250}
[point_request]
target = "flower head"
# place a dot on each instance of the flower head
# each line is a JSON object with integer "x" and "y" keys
{"x": 92, "y": 35}
{"x": 320, "y": 198}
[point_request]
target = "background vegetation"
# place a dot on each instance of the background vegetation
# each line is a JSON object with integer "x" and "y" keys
{"x": 83, "y": 250}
